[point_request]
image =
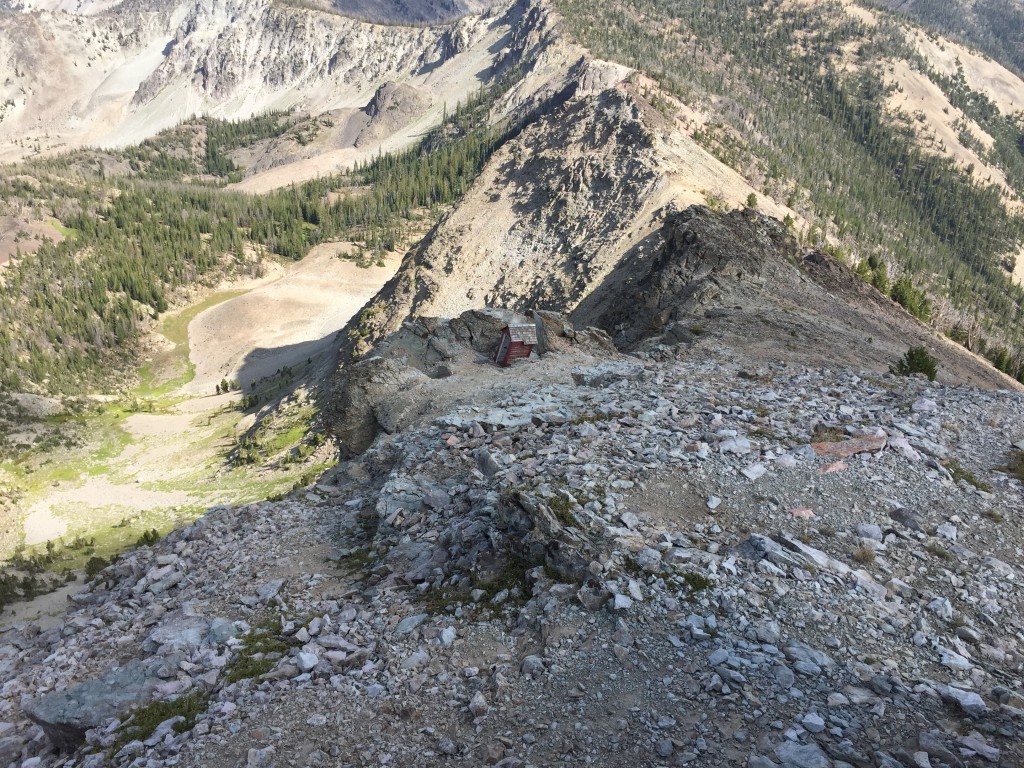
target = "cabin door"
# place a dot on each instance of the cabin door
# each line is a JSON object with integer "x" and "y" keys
{"x": 502, "y": 349}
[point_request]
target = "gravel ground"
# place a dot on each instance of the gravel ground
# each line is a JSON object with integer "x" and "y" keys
{"x": 661, "y": 564}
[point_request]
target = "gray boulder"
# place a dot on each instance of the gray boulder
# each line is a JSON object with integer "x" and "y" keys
{"x": 371, "y": 399}
{"x": 179, "y": 633}
{"x": 10, "y": 750}
{"x": 795, "y": 755}
{"x": 66, "y": 716}
{"x": 607, "y": 373}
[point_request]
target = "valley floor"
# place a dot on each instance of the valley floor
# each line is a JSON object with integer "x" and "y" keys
{"x": 159, "y": 457}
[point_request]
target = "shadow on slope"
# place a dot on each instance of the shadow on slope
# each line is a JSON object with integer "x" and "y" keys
{"x": 269, "y": 370}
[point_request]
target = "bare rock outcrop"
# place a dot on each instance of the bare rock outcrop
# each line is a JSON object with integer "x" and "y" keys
{"x": 740, "y": 280}
{"x": 388, "y": 390}
{"x": 410, "y": 11}
{"x": 577, "y": 215}
{"x": 392, "y": 107}
{"x": 430, "y": 364}
{"x": 539, "y": 226}
{"x": 370, "y": 399}
{"x": 261, "y": 48}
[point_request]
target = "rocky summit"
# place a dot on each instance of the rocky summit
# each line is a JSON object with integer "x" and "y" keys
{"x": 594, "y": 560}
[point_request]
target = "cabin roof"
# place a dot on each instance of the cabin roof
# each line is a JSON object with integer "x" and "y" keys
{"x": 524, "y": 334}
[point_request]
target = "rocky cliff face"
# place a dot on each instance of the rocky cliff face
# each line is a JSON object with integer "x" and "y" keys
{"x": 120, "y": 74}
{"x": 739, "y": 281}
{"x": 410, "y": 11}
{"x": 240, "y": 52}
{"x": 544, "y": 220}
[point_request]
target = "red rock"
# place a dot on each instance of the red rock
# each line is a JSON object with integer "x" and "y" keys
{"x": 804, "y": 513}
{"x": 835, "y": 466}
{"x": 846, "y": 448}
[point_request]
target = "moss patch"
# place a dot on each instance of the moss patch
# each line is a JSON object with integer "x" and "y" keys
{"x": 261, "y": 648}
{"x": 561, "y": 508}
{"x": 962, "y": 474}
{"x": 696, "y": 582}
{"x": 1014, "y": 466}
{"x": 144, "y": 721}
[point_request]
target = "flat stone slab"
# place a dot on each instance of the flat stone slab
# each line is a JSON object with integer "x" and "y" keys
{"x": 66, "y": 716}
{"x": 844, "y": 449}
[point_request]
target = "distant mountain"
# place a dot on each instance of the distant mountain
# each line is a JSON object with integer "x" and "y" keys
{"x": 96, "y": 74}
{"x": 410, "y": 11}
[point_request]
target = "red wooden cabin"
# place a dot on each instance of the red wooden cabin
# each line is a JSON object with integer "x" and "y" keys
{"x": 517, "y": 342}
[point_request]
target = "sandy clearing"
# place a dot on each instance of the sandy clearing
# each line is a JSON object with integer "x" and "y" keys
{"x": 25, "y": 234}
{"x": 339, "y": 160}
{"x": 43, "y": 610}
{"x": 164, "y": 446}
{"x": 1018, "y": 268}
{"x": 325, "y": 164}
{"x": 921, "y": 96}
{"x": 206, "y": 404}
{"x": 156, "y": 424}
{"x": 860, "y": 13}
{"x": 43, "y": 524}
{"x": 282, "y": 323}
{"x": 1001, "y": 85}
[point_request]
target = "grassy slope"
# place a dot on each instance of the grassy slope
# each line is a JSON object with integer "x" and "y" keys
{"x": 171, "y": 369}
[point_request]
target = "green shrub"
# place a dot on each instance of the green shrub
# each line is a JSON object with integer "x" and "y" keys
{"x": 911, "y": 298}
{"x": 95, "y": 565}
{"x": 916, "y": 360}
{"x": 149, "y": 538}
{"x": 146, "y": 719}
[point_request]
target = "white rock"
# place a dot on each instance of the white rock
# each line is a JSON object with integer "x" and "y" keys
{"x": 737, "y": 445}
{"x": 478, "y": 704}
{"x": 754, "y": 471}
{"x": 941, "y": 607}
{"x": 622, "y": 602}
